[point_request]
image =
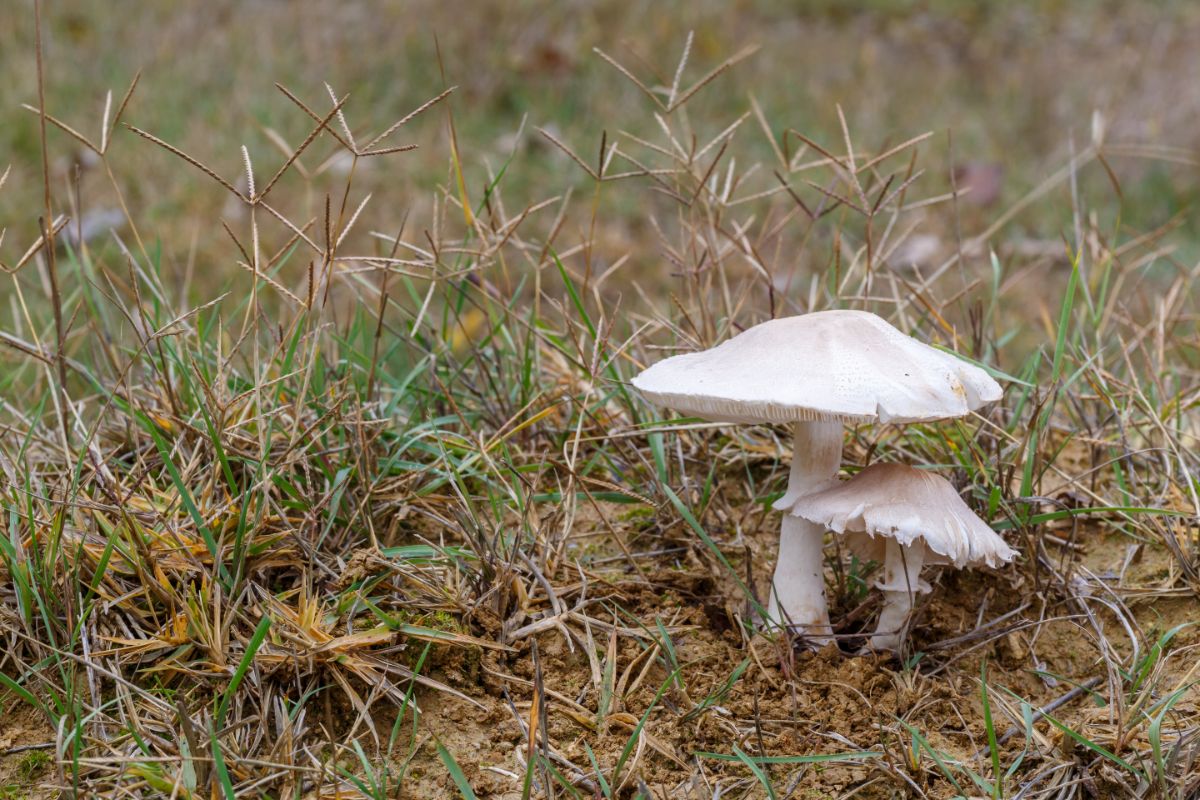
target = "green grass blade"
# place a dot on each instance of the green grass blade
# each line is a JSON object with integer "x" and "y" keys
{"x": 256, "y": 640}
{"x": 813, "y": 758}
{"x": 223, "y": 779}
{"x": 185, "y": 496}
{"x": 990, "y": 727}
{"x": 1095, "y": 748}
{"x": 757, "y": 771}
{"x": 456, "y": 773}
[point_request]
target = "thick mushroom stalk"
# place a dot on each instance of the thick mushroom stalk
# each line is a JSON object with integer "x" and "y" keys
{"x": 900, "y": 584}
{"x": 798, "y": 588}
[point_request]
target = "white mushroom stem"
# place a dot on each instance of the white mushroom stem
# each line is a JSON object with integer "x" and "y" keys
{"x": 798, "y": 588}
{"x": 900, "y": 585}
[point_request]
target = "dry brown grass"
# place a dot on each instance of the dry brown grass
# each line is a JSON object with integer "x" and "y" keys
{"x": 384, "y": 518}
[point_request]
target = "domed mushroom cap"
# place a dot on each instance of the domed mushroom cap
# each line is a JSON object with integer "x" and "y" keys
{"x": 909, "y": 505}
{"x": 845, "y": 366}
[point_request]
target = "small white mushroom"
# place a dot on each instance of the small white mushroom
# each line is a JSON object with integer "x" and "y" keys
{"x": 818, "y": 372}
{"x": 903, "y": 517}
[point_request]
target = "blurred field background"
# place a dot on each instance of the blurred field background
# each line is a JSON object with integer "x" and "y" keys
{"x": 1004, "y": 86}
{"x": 333, "y": 485}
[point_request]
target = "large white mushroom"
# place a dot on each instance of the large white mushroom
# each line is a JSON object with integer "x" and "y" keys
{"x": 817, "y": 372}
{"x": 903, "y": 517}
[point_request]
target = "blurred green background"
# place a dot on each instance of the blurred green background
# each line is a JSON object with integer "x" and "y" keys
{"x": 1007, "y": 88}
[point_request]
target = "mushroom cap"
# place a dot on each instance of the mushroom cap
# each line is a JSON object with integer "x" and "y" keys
{"x": 909, "y": 505}
{"x": 844, "y": 366}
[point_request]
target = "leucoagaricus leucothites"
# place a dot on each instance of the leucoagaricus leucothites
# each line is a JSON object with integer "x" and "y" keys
{"x": 904, "y": 518}
{"x": 818, "y": 372}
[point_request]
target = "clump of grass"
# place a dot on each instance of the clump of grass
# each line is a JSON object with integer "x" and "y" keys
{"x": 245, "y": 530}
{"x": 33, "y": 764}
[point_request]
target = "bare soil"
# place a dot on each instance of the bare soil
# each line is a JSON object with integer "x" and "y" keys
{"x": 23, "y": 736}
{"x": 802, "y": 702}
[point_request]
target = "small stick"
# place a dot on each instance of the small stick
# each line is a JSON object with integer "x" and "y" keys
{"x": 1086, "y": 686}
{"x": 22, "y": 748}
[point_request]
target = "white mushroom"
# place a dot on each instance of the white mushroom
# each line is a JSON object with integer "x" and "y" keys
{"x": 819, "y": 372}
{"x": 903, "y": 517}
